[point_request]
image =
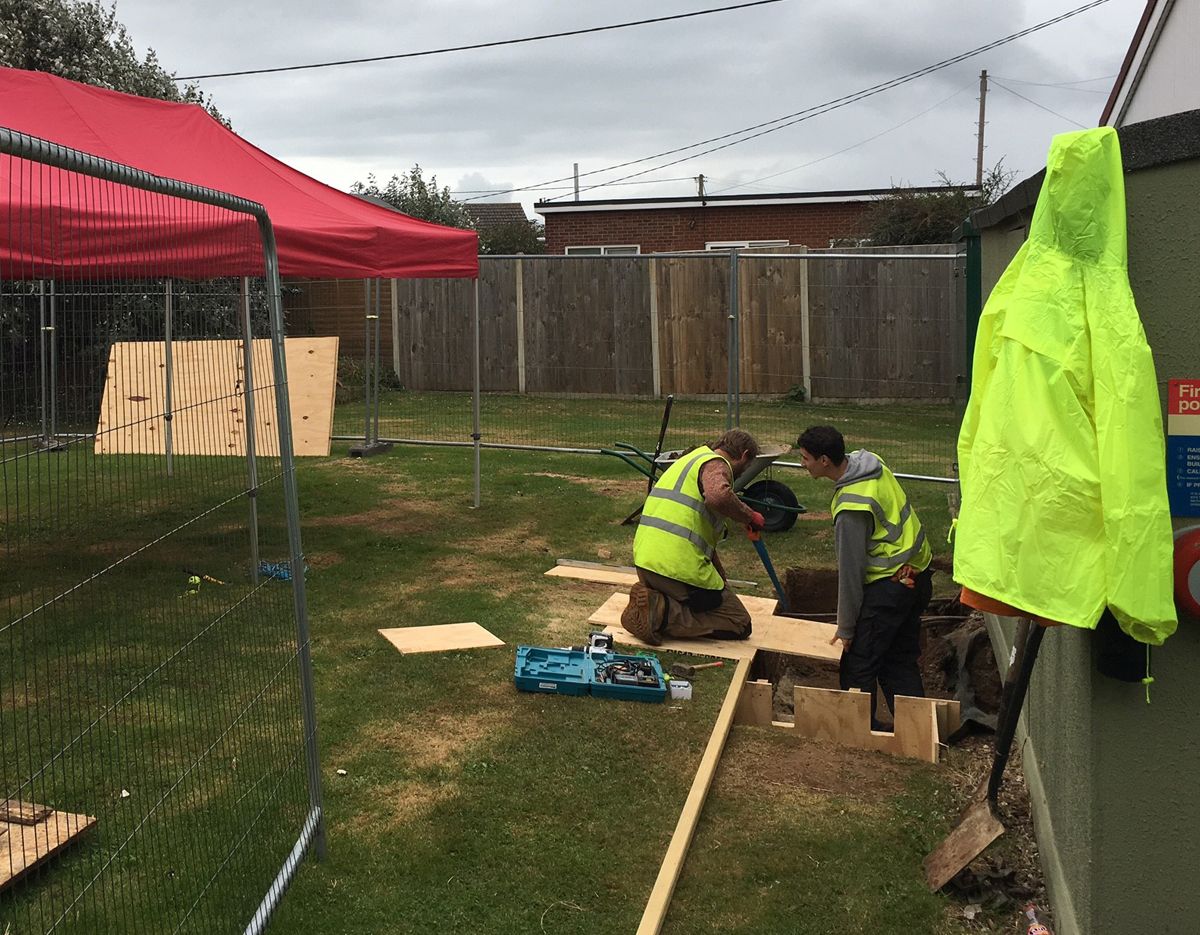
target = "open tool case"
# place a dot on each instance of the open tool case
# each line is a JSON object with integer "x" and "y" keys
{"x": 589, "y": 672}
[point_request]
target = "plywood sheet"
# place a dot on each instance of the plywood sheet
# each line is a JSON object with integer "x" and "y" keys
{"x": 844, "y": 717}
{"x": 795, "y": 637}
{"x": 440, "y": 638}
{"x": 754, "y": 707}
{"x": 208, "y": 405}
{"x": 24, "y": 846}
{"x": 616, "y": 575}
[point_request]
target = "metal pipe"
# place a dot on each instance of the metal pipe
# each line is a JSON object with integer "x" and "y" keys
{"x": 248, "y": 413}
{"x": 169, "y": 376}
{"x": 53, "y": 361}
{"x": 366, "y": 365}
{"x": 693, "y": 254}
{"x": 43, "y": 366}
{"x": 475, "y": 433}
{"x": 897, "y": 474}
{"x": 270, "y": 902}
{"x": 730, "y": 341}
{"x": 291, "y": 501}
{"x": 378, "y": 342}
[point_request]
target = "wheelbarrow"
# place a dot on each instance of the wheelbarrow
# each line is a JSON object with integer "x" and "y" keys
{"x": 773, "y": 499}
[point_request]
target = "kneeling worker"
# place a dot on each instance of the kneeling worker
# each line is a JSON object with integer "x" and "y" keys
{"x": 884, "y": 580}
{"x": 681, "y": 589}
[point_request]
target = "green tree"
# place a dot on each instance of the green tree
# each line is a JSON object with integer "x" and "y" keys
{"x": 527, "y": 237}
{"x": 417, "y": 198}
{"x": 82, "y": 40}
{"x": 915, "y": 217}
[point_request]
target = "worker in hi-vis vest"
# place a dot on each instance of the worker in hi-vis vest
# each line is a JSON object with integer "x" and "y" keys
{"x": 681, "y": 589}
{"x": 884, "y": 579}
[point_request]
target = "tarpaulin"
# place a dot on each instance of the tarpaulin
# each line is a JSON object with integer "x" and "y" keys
{"x": 1061, "y": 452}
{"x": 320, "y": 231}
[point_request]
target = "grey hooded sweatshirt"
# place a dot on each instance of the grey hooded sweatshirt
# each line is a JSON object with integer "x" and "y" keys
{"x": 851, "y": 535}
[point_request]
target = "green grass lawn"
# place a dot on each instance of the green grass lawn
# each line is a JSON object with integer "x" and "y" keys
{"x": 467, "y": 806}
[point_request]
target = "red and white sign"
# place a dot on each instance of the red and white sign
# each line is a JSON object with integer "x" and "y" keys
{"x": 1183, "y": 408}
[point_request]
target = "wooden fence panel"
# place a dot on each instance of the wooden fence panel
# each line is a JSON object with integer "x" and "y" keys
{"x": 693, "y": 324}
{"x": 772, "y": 305}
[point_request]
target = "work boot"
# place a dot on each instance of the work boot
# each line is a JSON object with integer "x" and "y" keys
{"x": 643, "y": 615}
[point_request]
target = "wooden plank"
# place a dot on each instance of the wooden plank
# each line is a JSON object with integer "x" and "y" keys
{"x": 208, "y": 402}
{"x": 795, "y": 637}
{"x": 15, "y": 811}
{"x": 754, "y": 707}
{"x": 844, "y": 717}
{"x": 26, "y": 846}
{"x": 618, "y": 577}
{"x": 520, "y": 295}
{"x": 440, "y": 638}
{"x": 570, "y": 563}
{"x": 660, "y": 896}
{"x": 949, "y": 718}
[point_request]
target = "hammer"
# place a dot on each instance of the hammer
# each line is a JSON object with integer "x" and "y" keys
{"x": 686, "y": 672}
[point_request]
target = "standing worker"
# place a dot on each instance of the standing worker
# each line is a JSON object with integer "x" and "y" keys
{"x": 883, "y": 568}
{"x": 681, "y": 589}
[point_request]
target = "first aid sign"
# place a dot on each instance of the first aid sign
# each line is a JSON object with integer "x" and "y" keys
{"x": 1183, "y": 447}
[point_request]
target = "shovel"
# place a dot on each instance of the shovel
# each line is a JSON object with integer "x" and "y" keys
{"x": 979, "y": 825}
{"x": 760, "y": 547}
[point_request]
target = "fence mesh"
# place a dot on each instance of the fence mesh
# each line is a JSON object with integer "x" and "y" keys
{"x": 578, "y": 352}
{"x": 154, "y": 763}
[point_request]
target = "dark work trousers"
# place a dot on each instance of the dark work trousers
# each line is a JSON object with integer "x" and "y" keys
{"x": 887, "y": 641}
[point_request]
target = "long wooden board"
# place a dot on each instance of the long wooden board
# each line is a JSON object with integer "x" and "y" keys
{"x": 789, "y": 635}
{"x": 440, "y": 638}
{"x": 616, "y": 575}
{"x": 208, "y": 406}
{"x": 668, "y": 875}
{"x": 25, "y": 846}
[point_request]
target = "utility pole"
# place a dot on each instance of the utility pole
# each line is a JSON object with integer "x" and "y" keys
{"x": 577, "y": 181}
{"x": 982, "y": 112}
{"x": 700, "y": 187}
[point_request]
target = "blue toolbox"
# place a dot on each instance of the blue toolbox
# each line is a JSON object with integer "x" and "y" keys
{"x": 591, "y": 670}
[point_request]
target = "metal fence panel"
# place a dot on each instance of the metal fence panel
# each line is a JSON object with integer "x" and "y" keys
{"x": 155, "y": 686}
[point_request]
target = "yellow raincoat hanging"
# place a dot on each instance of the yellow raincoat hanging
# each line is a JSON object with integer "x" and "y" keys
{"x": 1061, "y": 452}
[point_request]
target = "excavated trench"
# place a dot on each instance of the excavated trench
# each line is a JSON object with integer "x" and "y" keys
{"x": 956, "y": 656}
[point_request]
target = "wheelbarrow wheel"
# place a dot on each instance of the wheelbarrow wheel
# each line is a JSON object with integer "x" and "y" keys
{"x": 773, "y": 492}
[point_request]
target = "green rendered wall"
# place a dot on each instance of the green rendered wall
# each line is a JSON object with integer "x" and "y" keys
{"x": 1116, "y": 782}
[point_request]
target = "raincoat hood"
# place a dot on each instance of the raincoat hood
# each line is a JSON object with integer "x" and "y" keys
{"x": 1061, "y": 452}
{"x": 861, "y": 464}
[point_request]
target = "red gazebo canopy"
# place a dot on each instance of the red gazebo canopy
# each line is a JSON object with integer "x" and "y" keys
{"x": 320, "y": 231}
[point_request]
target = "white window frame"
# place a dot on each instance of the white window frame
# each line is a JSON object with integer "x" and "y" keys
{"x": 744, "y": 244}
{"x": 614, "y": 249}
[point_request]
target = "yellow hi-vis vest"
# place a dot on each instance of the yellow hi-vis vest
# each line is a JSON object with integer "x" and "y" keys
{"x": 897, "y": 539}
{"x": 677, "y": 534}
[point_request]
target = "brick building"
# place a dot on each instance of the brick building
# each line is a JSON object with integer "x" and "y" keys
{"x": 717, "y": 222}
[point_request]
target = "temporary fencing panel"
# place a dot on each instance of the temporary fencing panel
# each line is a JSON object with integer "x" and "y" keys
{"x": 157, "y": 731}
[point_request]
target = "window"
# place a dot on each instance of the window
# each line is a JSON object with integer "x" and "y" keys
{"x": 606, "y": 250}
{"x": 744, "y": 244}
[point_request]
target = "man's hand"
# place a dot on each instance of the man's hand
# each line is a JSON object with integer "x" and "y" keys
{"x": 845, "y": 643}
{"x": 757, "y": 523}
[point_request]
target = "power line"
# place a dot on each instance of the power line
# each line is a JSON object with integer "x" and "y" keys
{"x": 1030, "y": 100}
{"x": 837, "y": 103}
{"x": 815, "y": 110}
{"x": 1063, "y": 86}
{"x": 847, "y": 149}
{"x": 563, "y": 188}
{"x": 478, "y": 45}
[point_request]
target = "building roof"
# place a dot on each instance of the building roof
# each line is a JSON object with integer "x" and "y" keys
{"x": 1144, "y": 145}
{"x": 490, "y": 215}
{"x": 1136, "y": 57}
{"x": 734, "y": 201}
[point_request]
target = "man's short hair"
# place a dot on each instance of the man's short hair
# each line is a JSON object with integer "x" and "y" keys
{"x": 737, "y": 442}
{"x": 825, "y": 440}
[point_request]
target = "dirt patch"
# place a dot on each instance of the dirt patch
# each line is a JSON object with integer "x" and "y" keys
{"x": 753, "y": 759}
{"x": 393, "y": 516}
{"x": 399, "y": 803}
{"x": 811, "y": 590}
{"x": 606, "y": 485}
{"x": 322, "y": 560}
{"x": 436, "y": 743}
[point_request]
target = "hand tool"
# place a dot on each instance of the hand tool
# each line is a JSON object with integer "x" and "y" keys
{"x": 755, "y": 536}
{"x": 685, "y": 671}
{"x": 199, "y": 574}
{"x": 980, "y": 825}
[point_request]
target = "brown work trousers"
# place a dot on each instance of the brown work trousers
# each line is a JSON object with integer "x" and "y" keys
{"x": 730, "y": 619}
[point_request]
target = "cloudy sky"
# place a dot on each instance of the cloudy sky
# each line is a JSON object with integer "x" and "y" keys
{"x": 523, "y": 114}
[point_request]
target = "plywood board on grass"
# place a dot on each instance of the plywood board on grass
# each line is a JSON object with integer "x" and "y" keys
{"x": 208, "y": 404}
{"x": 616, "y": 575}
{"x": 844, "y": 717}
{"x": 789, "y": 635}
{"x": 24, "y": 846}
{"x": 440, "y": 638}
